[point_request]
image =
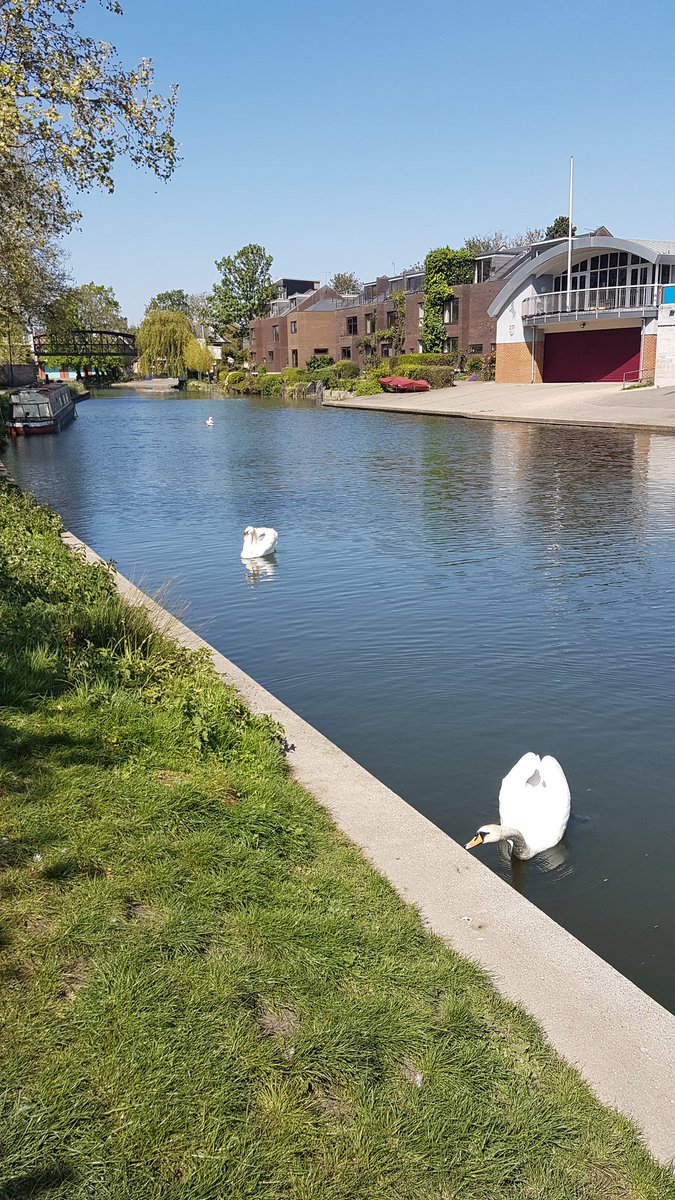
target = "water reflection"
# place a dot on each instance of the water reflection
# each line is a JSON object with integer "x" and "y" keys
{"x": 259, "y": 569}
{"x": 554, "y": 861}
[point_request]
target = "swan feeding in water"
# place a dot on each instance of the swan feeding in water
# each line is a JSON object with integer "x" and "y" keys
{"x": 209, "y": 420}
{"x": 534, "y": 808}
{"x": 259, "y": 542}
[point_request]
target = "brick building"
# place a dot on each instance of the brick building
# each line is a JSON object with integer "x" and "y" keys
{"x": 318, "y": 321}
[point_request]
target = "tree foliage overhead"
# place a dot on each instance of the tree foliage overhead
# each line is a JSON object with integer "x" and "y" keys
{"x": 243, "y": 291}
{"x": 68, "y": 111}
{"x": 345, "y": 283}
{"x": 171, "y": 301}
{"x": 163, "y": 339}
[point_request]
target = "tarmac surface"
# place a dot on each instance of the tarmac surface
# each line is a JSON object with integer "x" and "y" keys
{"x": 594, "y": 404}
{"x": 620, "y": 1040}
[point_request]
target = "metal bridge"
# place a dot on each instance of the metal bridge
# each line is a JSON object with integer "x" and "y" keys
{"x": 89, "y": 344}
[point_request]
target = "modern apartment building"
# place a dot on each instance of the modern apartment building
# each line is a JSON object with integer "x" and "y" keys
{"x": 304, "y": 323}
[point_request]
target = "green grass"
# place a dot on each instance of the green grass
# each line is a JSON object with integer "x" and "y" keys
{"x": 206, "y": 992}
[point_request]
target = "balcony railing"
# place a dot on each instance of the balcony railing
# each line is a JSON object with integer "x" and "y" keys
{"x": 591, "y": 303}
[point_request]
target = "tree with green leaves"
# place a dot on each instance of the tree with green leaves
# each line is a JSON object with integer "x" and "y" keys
{"x": 198, "y": 358}
{"x": 560, "y": 228}
{"x": 345, "y": 283}
{"x": 244, "y": 290}
{"x": 172, "y": 301}
{"x": 68, "y": 111}
{"x": 163, "y": 339}
{"x": 89, "y": 306}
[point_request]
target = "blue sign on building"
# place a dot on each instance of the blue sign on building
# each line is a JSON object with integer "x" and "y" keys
{"x": 669, "y": 295}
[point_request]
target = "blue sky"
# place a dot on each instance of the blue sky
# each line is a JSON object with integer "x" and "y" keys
{"x": 353, "y": 136}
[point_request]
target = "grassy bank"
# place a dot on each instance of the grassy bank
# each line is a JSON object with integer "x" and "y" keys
{"x": 206, "y": 992}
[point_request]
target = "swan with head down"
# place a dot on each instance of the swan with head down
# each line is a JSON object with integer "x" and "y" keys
{"x": 259, "y": 542}
{"x": 534, "y": 808}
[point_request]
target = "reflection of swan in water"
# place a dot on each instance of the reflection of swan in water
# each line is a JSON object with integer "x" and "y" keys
{"x": 553, "y": 859}
{"x": 259, "y": 568}
{"x": 534, "y": 808}
{"x": 259, "y": 542}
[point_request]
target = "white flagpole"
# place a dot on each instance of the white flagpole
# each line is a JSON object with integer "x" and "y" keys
{"x": 569, "y": 238}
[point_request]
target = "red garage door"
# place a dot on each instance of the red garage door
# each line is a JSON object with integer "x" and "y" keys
{"x": 591, "y": 355}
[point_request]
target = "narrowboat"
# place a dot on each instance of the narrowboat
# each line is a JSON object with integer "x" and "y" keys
{"x": 43, "y": 408}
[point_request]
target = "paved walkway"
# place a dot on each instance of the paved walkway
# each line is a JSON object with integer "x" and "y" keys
{"x": 559, "y": 403}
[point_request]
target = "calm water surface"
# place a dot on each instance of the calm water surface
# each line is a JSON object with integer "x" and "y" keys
{"x": 446, "y": 595}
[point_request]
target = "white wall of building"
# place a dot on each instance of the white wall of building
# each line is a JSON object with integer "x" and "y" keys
{"x": 664, "y": 373}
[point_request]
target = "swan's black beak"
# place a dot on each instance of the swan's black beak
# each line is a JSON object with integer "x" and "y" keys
{"x": 475, "y": 841}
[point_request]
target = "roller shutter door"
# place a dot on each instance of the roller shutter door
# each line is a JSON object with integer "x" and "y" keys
{"x": 591, "y": 355}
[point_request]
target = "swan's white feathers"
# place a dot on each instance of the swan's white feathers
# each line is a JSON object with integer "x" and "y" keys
{"x": 535, "y": 799}
{"x": 259, "y": 541}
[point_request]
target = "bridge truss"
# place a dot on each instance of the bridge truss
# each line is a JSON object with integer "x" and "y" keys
{"x": 89, "y": 344}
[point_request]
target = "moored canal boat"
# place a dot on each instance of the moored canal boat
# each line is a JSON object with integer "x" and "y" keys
{"x": 44, "y": 408}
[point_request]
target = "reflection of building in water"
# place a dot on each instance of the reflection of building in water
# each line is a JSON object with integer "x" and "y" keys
{"x": 555, "y": 480}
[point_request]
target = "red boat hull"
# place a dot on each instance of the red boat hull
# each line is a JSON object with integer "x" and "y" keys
{"x": 398, "y": 383}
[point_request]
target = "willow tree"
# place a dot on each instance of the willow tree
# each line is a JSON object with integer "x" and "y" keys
{"x": 198, "y": 358}
{"x": 163, "y": 340}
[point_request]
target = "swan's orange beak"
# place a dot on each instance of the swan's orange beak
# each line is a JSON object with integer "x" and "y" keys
{"x": 475, "y": 841}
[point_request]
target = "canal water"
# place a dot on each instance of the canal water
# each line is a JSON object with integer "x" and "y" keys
{"x": 446, "y": 595}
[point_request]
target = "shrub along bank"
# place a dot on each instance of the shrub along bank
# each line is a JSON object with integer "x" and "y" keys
{"x": 205, "y": 990}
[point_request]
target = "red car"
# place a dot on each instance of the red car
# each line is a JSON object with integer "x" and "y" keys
{"x": 398, "y": 383}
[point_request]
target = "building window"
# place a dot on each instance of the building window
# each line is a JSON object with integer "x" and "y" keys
{"x": 665, "y": 272}
{"x": 321, "y": 350}
{"x": 493, "y": 347}
{"x": 294, "y": 358}
{"x": 385, "y": 349}
{"x": 483, "y": 270}
{"x": 275, "y": 333}
{"x": 451, "y": 344}
{"x": 451, "y": 311}
{"x": 477, "y": 348}
{"x": 420, "y": 348}
{"x": 370, "y": 322}
{"x": 391, "y": 319}
{"x": 252, "y": 356}
{"x": 294, "y": 326}
{"x": 369, "y": 293}
{"x": 420, "y": 315}
{"x": 270, "y": 355}
{"x": 352, "y": 325}
{"x": 346, "y": 351}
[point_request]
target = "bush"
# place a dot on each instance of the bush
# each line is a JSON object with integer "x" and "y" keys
{"x": 436, "y": 377}
{"x": 270, "y": 385}
{"x": 474, "y": 364}
{"x": 317, "y": 361}
{"x": 489, "y": 366}
{"x": 427, "y": 360}
{"x": 346, "y": 369}
{"x": 293, "y": 375}
{"x": 233, "y": 377}
{"x": 368, "y": 386}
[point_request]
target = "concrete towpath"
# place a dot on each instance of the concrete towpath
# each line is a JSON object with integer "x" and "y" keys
{"x": 595, "y": 404}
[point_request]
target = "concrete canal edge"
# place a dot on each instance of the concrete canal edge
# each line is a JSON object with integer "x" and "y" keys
{"x": 620, "y": 1040}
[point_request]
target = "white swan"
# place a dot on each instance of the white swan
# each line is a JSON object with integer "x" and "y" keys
{"x": 259, "y": 542}
{"x": 209, "y": 420}
{"x": 534, "y": 808}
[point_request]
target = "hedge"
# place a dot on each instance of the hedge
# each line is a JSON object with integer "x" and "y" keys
{"x": 436, "y": 377}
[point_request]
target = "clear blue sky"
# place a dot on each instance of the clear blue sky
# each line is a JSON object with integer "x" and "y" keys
{"x": 355, "y": 136}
